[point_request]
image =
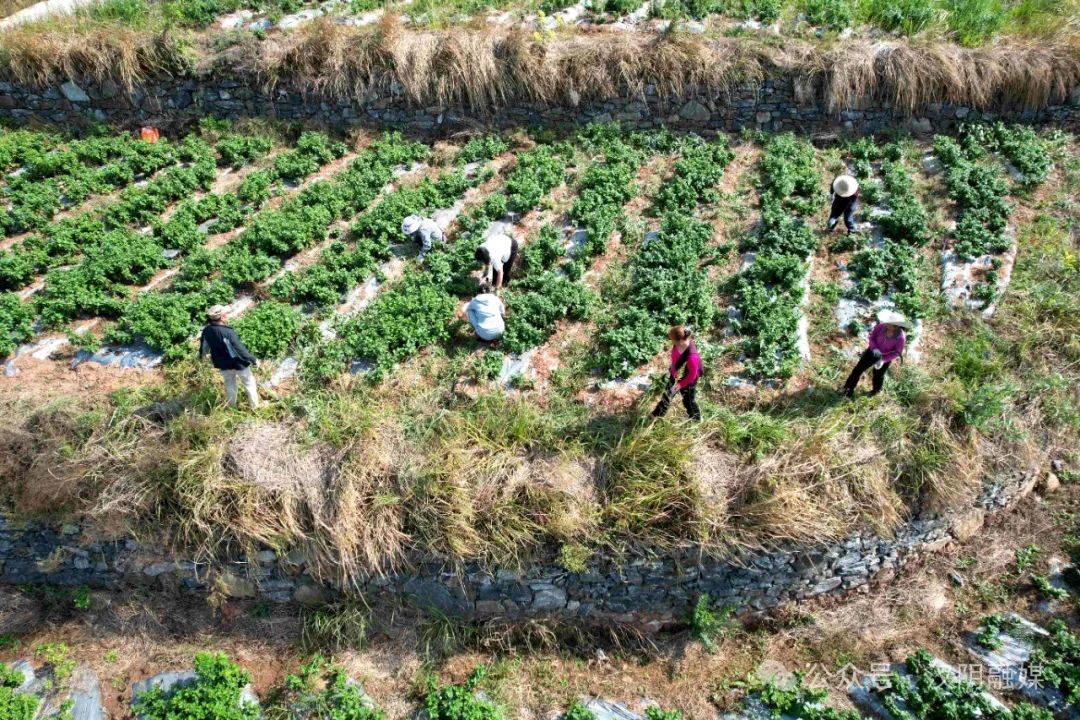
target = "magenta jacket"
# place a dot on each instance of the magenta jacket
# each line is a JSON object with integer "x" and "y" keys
{"x": 891, "y": 348}
{"x": 692, "y": 368}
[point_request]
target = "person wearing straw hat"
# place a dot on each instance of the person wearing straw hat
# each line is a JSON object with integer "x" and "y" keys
{"x": 229, "y": 355}
{"x": 886, "y": 344}
{"x": 424, "y": 231}
{"x": 845, "y": 191}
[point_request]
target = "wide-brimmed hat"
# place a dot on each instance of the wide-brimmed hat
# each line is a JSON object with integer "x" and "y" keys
{"x": 411, "y": 224}
{"x": 845, "y": 186}
{"x": 217, "y": 312}
{"x": 891, "y": 317}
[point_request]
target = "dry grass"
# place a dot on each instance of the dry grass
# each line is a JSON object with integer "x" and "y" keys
{"x": 912, "y": 75}
{"x": 49, "y": 54}
{"x": 484, "y": 69}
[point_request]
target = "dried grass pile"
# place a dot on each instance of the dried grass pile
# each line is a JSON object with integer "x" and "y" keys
{"x": 485, "y": 69}
{"x": 913, "y": 75}
{"x": 54, "y": 53}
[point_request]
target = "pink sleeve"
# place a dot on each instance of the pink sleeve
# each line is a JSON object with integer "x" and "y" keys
{"x": 693, "y": 371}
{"x": 874, "y": 335}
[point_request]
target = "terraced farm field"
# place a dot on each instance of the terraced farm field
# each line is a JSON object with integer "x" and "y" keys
{"x": 117, "y": 247}
{"x": 502, "y": 530}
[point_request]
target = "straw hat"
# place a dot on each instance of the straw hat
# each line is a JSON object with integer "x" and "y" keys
{"x": 845, "y": 186}
{"x": 217, "y": 312}
{"x": 890, "y": 317}
{"x": 411, "y": 224}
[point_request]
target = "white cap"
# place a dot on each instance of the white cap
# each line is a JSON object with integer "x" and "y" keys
{"x": 845, "y": 186}
{"x": 411, "y": 224}
{"x": 217, "y": 312}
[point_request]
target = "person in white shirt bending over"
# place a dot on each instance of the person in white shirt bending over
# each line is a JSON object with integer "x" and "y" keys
{"x": 497, "y": 254}
{"x": 424, "y": 231}
{"x": 485, "y": 312}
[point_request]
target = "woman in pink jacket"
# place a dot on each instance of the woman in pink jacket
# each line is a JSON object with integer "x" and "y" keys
{"x": 887, "y": 341}
{"x": 684, "y": 359}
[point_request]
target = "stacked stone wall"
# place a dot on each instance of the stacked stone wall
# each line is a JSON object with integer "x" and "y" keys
{"x": 778, "y": 103}
{"x": 640, "y": 590}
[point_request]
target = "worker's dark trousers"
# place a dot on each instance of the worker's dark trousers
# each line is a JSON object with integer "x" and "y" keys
{"x": 848, "y": 212}
{"x": 865, "y": 363}
{"x": 689, "y": 401}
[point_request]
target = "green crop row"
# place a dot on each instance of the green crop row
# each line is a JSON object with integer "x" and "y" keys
{"x": 56, "y": 178}
{"x": 893, "y": 267}
{"x": 416, "y": 311}
{"x": 978, "y": 189}
{"x": 669, "y": 271}
{"x": 536, "y": 173}
{"x": 1057, "y": 655}
{"x": 935, "y": 693}
{"x": 769, "y": 291}
{"x": 166, "y": 319}
{"x": 1018, "y": 144}
{"x": 59, "y": 243}
{"x": 549, "y": 288}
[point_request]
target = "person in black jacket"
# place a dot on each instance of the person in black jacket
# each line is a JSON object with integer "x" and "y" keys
{"x": 229, "y": 356}
{"x": 845, "y": 194}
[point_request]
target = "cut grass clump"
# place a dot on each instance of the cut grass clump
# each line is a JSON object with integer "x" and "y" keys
{"x": 336, "y": 627}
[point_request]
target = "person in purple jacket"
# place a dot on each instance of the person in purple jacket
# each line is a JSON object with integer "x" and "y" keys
{"x": 887, "y": 341}
{"x": 685, "y": 360}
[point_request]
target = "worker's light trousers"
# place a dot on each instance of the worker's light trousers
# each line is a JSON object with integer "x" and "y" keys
{"x": 247, "y": 379}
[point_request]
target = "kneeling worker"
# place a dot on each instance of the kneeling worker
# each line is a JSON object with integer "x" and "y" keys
{"x": 424, "y": 231}
{"x": 485, "y": 312}
{"x": 229, "y": 355}
{"x": 497, "y": 254}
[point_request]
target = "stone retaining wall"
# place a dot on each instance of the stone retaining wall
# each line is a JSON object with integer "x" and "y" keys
{"x": 783, "y": 102}
{"x": 641, "y": 591}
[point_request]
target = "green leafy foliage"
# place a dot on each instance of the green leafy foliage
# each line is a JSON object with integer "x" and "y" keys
{"x": 905, "y": 16}
{"x": 935, "y": 693}
{"x": 239, "y": 150}
{"x": 268, "y": 329}
{"x": 706, "y": 624}
{"x": 979, "y": 191}
{"x": 213, "y": 695}
{"x": 321, "y": 690}
{"x": 411, "y": 315}
{"x": 15, "y": 705}
{"x": 536, "y": 173}
{"x": 459, "y": 702}
{"x": 769, "y": 290}
{"x": 577, "y": 711}
{"x": 832, "y": 14}
{"x": 801, "y": 702}
{"x": 484, "y": 147}
{"x": 313, "y": 149}
{"x": 16, "y": 320}
{"x": 670, "y": 271}
{"x": 1023, "y": 148}
{"x": 1059, "y": 658}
